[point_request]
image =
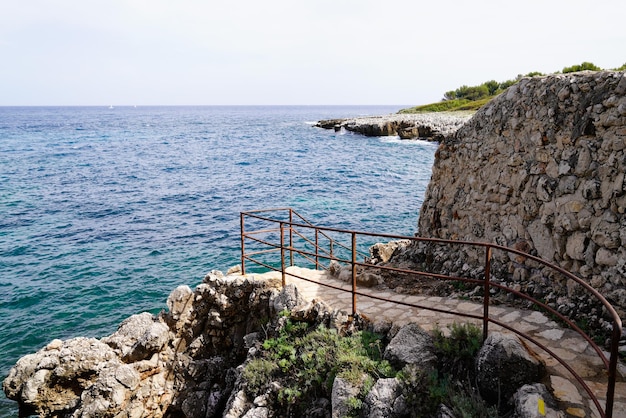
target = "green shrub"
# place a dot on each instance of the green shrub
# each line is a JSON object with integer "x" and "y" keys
{"x": 306, "y": 361}
{"x": 467, "y": 403}
{"x": 456, "y": 353}
{"x": 424, "y": 392}
{"x": 582, "y": 67}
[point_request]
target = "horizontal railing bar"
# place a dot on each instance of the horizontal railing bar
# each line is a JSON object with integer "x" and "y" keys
{"x": 273, "y": 250}
{"x": 270, "y": 244}
{"x": 567, "y": 274}
{"x": 262, "y": 264}
{"x": 260, "y": 231}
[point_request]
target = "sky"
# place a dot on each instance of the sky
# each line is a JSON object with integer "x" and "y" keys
{"x": 290, "y": 52}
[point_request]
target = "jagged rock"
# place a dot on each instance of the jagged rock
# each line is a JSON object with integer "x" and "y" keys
{"x": 382, "y": 252}
{"x": 288, "y": 298}
{"x": 364, "y": 277}
{"x": 528, "y": 399}
{"x": 138, "y": 337}
{"x": 504, "y": 364}
{"x": 411, "y": 345}
{"x": 53, "y": 379}
{"x": 432, "y": 126}
{"x": 385, "y": 400}
{"x": 330, "y": 123}
{"x": 258, "y": 412}
{"x": 343, "y": 391}
{"x": 238, "y": 405}
{"x": 445, "y": 412}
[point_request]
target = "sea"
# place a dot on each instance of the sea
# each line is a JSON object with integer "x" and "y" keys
{"x": 105, "y": 210}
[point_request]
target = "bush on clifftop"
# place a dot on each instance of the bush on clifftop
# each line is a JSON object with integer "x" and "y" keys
{"x": 474, "y": 97}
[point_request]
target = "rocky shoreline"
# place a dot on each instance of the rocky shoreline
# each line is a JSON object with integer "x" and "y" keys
{"x": 201, "y": 359}
{"x": 428, "y": 126}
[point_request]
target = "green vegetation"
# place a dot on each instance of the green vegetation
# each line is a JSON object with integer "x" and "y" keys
{"x": 472, "y": 98}
{"x": 582, "y": 67}
{"x": 306, "y": 361}
{"x": 451, "y": 383}
{"x": 298, "y": 364}
{"x": 456, "y": 353}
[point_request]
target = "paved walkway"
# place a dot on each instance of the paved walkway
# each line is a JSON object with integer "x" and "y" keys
{"x": 565, "y": 343}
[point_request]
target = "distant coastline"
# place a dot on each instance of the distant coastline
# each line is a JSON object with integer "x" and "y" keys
{"x": 429, "y": 126}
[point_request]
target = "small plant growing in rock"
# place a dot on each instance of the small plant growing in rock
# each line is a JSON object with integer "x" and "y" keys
{"x": 451, "y": 383}
{"x": 305, "y": 362}
{"x": 456, "y": 353}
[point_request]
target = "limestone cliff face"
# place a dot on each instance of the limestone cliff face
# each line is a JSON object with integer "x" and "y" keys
{"x": 541, "y": 168}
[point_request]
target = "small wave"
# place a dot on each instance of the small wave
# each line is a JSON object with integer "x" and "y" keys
{"x": 398, "y": 140}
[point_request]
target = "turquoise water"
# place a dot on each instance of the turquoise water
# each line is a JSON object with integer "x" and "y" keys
{"x": 104, "y": 211}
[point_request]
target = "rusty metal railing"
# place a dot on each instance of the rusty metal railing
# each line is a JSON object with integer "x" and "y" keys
{"x": 268, "y": 234}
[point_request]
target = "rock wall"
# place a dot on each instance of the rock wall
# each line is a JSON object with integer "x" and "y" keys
{"x": 541, "y": 168}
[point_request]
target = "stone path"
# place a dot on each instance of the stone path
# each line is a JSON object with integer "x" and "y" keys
{"x": 565, "y": 343}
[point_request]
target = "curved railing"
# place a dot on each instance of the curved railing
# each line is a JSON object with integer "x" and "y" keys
{"x": 288, "y": 233}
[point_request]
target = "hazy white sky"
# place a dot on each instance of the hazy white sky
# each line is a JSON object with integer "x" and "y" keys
{"x": 177, "y": 52}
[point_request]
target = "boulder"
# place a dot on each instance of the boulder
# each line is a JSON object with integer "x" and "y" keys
{"x": 411, "y": 345}
{"x": 500, "y": 355}
{"x": 138, "y": 337}
{"x": 534, "y": 401}
{"x": 385, "y": 400}
{"x": 343, "y": 390}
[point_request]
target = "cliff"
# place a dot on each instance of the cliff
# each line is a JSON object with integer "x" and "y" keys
{"x": 541, "y": 168}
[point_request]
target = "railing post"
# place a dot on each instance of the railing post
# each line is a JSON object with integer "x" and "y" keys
{"x": 317, "y": 249}
{"x": 243, "y": 258}
{"x": 291, "y": 237}
{"x": 353, "y": 273}
{"x": 488, "y": 250}
{"x": 282, "y": 253}
{"x": 610, "y": 388}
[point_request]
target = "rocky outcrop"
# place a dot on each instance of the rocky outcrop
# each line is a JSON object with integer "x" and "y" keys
{"x": 430, "y": 126}
{"x": 181, "y": 362}
{"x": 541, "y": 169}
{"x": 189, "y": 361}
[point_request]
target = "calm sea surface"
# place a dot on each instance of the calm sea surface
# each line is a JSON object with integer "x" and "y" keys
{"x": 104, "y": 211}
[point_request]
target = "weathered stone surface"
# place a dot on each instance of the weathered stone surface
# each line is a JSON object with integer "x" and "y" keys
{"x": 138, "y": 337}
{"x": 342, "y": 391}
{"x": 382, "y": 252}
{"x": 287, "y": 299}
{"x": 385, "y": 400}
{"x": 411, "y": 345}
{"x": 498, "y": 357}
{"x": 431, "y": 126}
{"x": 533, "y": 401}
{"x": 178, "y": 363}
{"x": 543, "y": 163}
